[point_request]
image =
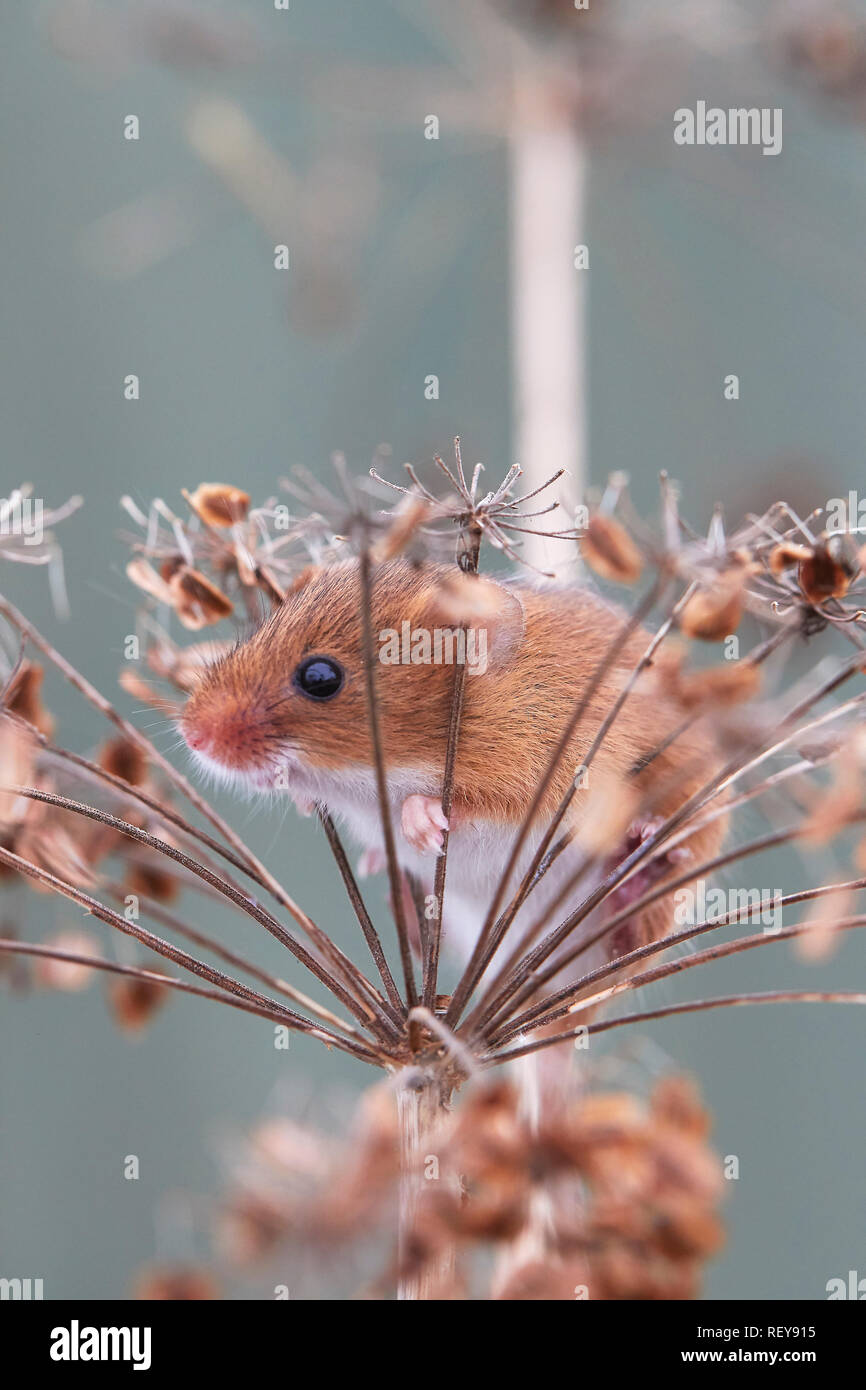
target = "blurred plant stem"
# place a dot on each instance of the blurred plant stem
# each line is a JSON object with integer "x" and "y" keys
{"x": 547, "y": 176}
{"x": 422, "y": 1105}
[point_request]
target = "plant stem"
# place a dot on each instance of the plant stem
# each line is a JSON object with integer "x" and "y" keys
{"x": 421, "y": 1105}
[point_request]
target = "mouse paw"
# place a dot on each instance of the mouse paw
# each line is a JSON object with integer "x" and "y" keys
{"x": 372, "y": 861}
{"x": 423, "y": 820}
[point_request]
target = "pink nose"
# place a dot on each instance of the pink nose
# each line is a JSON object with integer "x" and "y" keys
{"x": 196, "y": 739}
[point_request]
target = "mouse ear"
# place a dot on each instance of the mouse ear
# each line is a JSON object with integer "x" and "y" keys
{"x": 492, "y": 612}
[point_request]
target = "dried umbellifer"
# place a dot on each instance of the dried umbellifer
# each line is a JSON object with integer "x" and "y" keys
{"x": 196, "y": 600}
{"x": 219, "y": 504}
{"x": 610, "y": 552}
{"x": 714, "y": 614}
{"x": 830, "y": 569}
{"x": 124, "y": 759}
{"x": 785, "y": 555}
{"x": 718, "y": 687}
{"x": 24, "y": 698}
{"x": 134, "y": 1001}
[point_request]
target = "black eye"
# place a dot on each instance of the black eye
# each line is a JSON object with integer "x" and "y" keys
{"x": 320, "y": 677}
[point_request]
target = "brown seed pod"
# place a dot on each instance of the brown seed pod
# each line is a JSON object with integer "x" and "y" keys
{"x": 676, "y": 1101}
{"x": 24, "y": 698}
{"x": 712, "y": 615}
{"x": 144, "y": 576}
{"x": 830, "y": 569}
{"x": 610, "y": 552}
{"x": 124, "y": 759}
{"x": 219, "y": 504}
{"x": 407, "y": 519}
{"x": 718, "y": 687}
{"x": 197, "y": 601}
{"x": 133, "y": 1001}
{"x": 786, "y": 555}
{"x": 152, "y": 881}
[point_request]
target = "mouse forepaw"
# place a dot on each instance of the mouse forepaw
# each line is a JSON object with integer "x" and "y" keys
{"x": 422, "y": 821}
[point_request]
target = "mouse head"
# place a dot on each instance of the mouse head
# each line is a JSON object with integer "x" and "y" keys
{"x": 292, "y": 697}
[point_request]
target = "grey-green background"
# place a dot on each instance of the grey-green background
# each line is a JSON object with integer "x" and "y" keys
{"x": 702, "y": 263}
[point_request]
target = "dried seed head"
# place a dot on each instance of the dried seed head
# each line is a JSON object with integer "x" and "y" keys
{"x": 133, "y": 1001}
{"x": 407, "y": 518}
{"x": 718, "y": 687}
{"x": 148, "y": 878}
{"x": 145, "y": 577}
{"x": 830, "y": 569}
{"x": 17, "y": 754}
{"x": 219, "y": 504}
{"x": 784, "y": 556}
{"x": 676, "y": 1101}
{"x": 545, "y": 1280}
{"x": 251, "y": 1226}
{"x": 196, "y": 600}
{"x": 609, "y": 550}
{"x": 125, "y": 760}
{"x": 24, "y": 698}
{"x": 714, "y": 614}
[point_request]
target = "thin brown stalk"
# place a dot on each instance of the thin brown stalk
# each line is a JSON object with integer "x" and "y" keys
{"x": 492, "y": 929}
{"x": 394, "y": 877}
{"x": 782, "y": 996}
{"x": 719, "y": 952}
{"x": 517, "y": 958}
{"x": 499, "y": 1010}
{"x": 371, "y": 936}
{"x": 174, "y": 953}
{"x": 158, "y": 913}
{"x": 513, "y": 961}
{"x": 649, "y": 848}
{"x": 469, "y": 564}
{"x": 358, "y": 1007}
{"x": 30, "y": 948}
{"x": 754, "y": 658}
{"x": 93, "y": 772}
{"x": 571, "y": 998}
{"x": 183, "y": 785}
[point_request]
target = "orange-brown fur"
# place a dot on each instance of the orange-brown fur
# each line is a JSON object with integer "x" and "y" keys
{"x": 546, "y": 644}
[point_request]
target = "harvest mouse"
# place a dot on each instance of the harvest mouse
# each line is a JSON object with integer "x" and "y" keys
{"x": 287, "y": 710}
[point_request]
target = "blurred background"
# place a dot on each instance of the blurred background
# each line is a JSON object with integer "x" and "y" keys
{"x": 431, "y": 168}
